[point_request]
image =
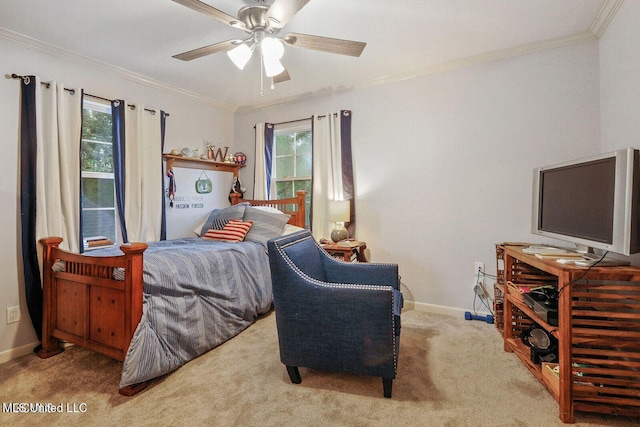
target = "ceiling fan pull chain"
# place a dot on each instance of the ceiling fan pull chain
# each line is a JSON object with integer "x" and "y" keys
{"x": 261, "y": 77}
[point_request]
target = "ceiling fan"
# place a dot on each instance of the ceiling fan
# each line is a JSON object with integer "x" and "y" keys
{"x": 263, "y": 23}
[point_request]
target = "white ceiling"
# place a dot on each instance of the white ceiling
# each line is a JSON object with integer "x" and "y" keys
{"x": 405, "y": 38}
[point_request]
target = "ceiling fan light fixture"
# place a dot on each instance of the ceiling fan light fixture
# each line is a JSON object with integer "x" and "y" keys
{"x": 240, "y": 55}
{"x": 263, "y": 23}
{"x": 272, "y": 49}
{"x": 273, "y": 67}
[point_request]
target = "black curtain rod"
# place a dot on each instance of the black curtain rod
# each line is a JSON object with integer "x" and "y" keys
{"x": 26, "y": 80}
{"x": 301, "y": 120}
{"x": 324, "y": 115}
{"x": 292, "y": 121}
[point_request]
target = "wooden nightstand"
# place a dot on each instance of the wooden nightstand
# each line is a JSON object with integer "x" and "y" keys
{"x": 347, "y": 250}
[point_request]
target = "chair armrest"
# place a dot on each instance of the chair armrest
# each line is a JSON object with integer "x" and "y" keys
{"x": 361, "y": 273}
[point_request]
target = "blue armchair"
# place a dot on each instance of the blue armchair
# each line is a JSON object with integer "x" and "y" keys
{"x": 334, "y": 315}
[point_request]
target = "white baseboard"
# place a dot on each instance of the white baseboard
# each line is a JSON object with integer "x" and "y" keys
{"x": 14, "y": 353}
{"x": 437, "y": 309}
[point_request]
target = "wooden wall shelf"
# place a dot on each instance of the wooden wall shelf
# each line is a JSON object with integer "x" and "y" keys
{"x": 196, "y": 163}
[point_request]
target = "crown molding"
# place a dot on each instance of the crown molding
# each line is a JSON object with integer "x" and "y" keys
{"x": 68, "y": 55}
{"x": 604, "y": 17}
{"x": 526, "y": 49}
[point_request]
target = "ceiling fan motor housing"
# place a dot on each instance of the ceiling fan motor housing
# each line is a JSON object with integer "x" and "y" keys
{"x": 254, "y": 19}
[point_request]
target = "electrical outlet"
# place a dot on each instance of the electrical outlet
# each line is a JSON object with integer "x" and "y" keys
{"x": 478, "y": 278}
{"x": 478, "y": 266}
{"x": 13, "y": 314}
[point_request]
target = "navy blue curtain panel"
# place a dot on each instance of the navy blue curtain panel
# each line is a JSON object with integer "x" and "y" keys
{"x": 347, "y": 167}
{"x": 80, "y": 232}
{"x": 117, "y": 111}
{"x": 312, "y": 175}
{"x": 28, "y": 150}
{"x": 163, "y": 224}
{"x": 268, "y": 154}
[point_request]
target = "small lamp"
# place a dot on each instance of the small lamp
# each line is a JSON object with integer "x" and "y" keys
{"x": 339, "y": 212}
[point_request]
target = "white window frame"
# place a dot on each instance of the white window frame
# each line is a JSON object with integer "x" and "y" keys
{"x": 103, "y": 108}
{"x": 299, "y": 126}
{"x": 286, "y": 129}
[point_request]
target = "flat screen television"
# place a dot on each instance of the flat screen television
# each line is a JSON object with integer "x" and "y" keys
{"x": 591, "y": 202}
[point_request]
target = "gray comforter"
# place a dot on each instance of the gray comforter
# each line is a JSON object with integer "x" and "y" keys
{"x": 197, "y": 295}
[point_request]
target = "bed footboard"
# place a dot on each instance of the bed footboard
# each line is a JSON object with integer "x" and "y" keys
{"x": 84, "y": 304}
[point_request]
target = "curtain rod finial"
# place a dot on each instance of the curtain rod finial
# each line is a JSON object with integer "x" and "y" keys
{"x": 26, "y": 79}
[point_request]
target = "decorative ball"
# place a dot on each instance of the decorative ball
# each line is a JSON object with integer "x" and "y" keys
{"x": 240, "y": 158}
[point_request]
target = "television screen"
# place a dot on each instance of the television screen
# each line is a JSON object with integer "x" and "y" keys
{"x": 578, "y": 200}
{"x": 593, "y": 202}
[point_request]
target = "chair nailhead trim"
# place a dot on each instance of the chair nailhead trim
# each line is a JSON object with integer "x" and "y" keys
{"x": 306, "y": 278}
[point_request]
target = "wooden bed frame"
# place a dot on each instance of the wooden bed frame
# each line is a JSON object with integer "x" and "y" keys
{"x": 85, "y": 306}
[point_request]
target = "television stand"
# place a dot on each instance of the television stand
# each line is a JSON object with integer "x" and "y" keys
{"x": 598, "y": 331}
{"x": 590, "y": 262}
{"x": 572, "y": 257}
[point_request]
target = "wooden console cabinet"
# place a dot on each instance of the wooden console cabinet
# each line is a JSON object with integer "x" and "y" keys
{"x": 598, "y": 331}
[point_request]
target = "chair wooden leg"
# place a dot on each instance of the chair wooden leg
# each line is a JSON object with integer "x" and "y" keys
{"x": 294, "y": 374}
{"x": 387, "y": 383}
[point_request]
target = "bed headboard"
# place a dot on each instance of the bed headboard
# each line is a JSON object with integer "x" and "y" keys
{"x": 293, "y": 206}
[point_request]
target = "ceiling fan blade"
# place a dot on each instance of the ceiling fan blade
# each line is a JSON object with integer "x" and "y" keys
{"x": 325, "y": 44}
{"x": 208, "y": 50}
{"x": 282, "y": 77}
{"x": 281, "y": 11}
{"x": 211, "y": 11}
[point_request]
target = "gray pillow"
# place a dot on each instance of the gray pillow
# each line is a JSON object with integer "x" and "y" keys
{"x": 219, "y": 216}
{"x": 266, "y": 224}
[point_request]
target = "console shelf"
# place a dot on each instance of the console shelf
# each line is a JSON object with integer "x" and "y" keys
{"x": 517, "y": 301}
{"x": 598, "y": 331}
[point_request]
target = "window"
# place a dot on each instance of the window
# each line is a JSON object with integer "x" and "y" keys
{"x": 96, "y": 163}
{"x": 293, "y": 161}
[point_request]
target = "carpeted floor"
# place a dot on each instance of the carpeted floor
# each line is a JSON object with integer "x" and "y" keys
{"x": 452, "y": 372}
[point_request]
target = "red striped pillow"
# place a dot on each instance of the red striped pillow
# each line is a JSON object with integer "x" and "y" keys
{"x": 234, "y": 231}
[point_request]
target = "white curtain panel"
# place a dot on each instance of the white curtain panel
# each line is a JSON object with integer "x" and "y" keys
{"x": 260, "y": 176}
{"x": 58, "y": 128}
{"x": 143, "y": 174}
{"x": 327, "y": 171}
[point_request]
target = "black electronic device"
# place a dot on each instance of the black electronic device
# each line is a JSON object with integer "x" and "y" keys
{"x": 591, "y": 202}
{"x": 544, "y": 302}
{"x": 543, "y": 345}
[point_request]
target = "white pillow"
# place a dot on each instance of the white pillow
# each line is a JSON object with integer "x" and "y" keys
{"x": 266, "y": 224}
{"x": 198, "y": 229}
{"x": 290, "y": 228}
{"x": 268, "y": 209}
